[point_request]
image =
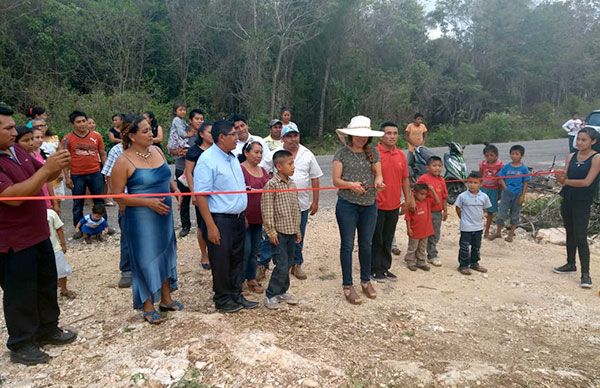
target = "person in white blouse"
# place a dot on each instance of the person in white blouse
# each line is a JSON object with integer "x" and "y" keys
{"x": 572, "y": 128}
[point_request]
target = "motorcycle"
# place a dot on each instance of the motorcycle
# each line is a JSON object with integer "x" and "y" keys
{"x": 456, "y": 171}
{"x": 418, "y": 163}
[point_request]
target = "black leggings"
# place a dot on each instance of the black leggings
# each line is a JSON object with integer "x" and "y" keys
{"x": 576, "y": 217}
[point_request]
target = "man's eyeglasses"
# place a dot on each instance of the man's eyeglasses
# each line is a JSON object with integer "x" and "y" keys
{"x": 234, "y": 133}
{"x": 40, "y": 126}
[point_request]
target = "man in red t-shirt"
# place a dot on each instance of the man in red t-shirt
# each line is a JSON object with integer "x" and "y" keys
{"x": 395, "y": 175}
{"x": 439, "y": 212}
{"x": 88, "y": 155}
{"x": 27, "y": 263}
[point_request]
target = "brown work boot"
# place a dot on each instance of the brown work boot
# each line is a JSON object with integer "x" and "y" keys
{"x": 351, "y": 295}
{"x": 464, "y": 270}
{"x": 298, "y": 272}
{"x": 368, "y": 290}
{"x": 478, "y": 268}
{"x": 261, "y": 272}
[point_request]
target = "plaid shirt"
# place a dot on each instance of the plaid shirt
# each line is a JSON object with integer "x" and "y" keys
{"x": 280, "y": 211}
{"x": 112, "y": 157}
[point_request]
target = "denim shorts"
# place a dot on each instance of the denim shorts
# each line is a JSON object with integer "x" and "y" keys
{"x": 493, "y": 194}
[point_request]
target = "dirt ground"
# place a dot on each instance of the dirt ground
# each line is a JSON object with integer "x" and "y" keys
{"x": 518, "y": 325}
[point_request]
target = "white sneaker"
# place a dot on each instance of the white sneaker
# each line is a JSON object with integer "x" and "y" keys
{"x": 272, "y": 303}
{"x": 287, "y": 298}
{"x": 436, "y": 262}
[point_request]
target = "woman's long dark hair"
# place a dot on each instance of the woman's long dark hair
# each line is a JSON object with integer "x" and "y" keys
{"x": 153, "y": 122}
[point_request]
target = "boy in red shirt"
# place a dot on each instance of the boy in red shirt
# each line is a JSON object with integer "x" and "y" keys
{"x": 489, "y": 168}
{"x": 419, "y": 226}
{"x": 439, "y": 211}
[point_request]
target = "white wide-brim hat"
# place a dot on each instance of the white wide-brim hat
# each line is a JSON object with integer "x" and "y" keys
{"x": 359, "y": 126}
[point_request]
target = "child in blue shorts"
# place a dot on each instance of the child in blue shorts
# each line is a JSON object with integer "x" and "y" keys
{"x": 489, "y": 168}
{"x": 513, "y": 191}
{"x": 93, "y": 225}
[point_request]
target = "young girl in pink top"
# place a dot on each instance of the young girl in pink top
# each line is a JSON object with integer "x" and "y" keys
{"x": 489, "y": 168}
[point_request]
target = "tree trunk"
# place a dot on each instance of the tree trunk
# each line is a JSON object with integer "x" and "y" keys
{"x": 323, "y": 95}
{"x": 276, "y": 76}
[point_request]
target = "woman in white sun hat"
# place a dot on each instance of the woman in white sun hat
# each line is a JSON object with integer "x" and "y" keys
{"x": 357, "y": 172}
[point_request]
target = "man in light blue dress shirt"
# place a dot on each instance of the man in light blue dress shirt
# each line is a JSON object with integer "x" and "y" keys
{"x": 224, "y": 226}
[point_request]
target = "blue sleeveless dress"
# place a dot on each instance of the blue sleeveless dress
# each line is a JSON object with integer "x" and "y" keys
{"x": 151, "y": 237}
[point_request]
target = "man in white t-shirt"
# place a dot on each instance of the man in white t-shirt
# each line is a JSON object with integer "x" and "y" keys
{"x": 306, "y": 174}
{"x": 240, "y": 124}
{"x": 572, "y": 127}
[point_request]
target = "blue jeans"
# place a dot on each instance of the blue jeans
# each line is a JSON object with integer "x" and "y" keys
{"x": 95, "y": 183}
{"x": 266, "y": 248}
{"x": 251, "y": 248}
{"x": 510, "y": 203}
{"x": 125, "y": 261}
{"x": 351, "y": 218}
{"x": 283, "y": 256}
{"x": 469, "y": 247}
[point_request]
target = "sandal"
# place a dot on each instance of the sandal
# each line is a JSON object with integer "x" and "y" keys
{"x": 173, "y": 306}
{"x": 153, "y": 317}
{"x": 509, "y": 238}
{"x": 205, "y": 266}
{"x": 68, "y": 294}
{"x": 351, "y": 295}
{"x": 255, "y": 286}
{"x": 368, "y": 290}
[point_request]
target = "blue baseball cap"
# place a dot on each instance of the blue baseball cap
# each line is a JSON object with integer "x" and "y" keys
{"x": 290, "y": 128}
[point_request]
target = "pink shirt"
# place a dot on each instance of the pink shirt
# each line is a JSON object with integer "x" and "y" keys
{"x": 488, "y": 171}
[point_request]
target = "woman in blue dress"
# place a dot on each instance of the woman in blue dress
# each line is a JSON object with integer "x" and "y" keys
{"x": 142, "y": 168}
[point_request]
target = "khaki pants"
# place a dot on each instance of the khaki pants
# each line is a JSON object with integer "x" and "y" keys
{"x": 416, "y": 253}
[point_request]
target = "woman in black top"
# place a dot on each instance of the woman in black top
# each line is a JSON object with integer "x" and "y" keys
{"x": 114, "y": 134}
{"x": 203, "y": 141}
{"x": 157, "y": 131}
{"x": 580, "y": 184}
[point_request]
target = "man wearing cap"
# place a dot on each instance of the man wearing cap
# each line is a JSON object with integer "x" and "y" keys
{"x": 27, "y": 263}
{"x": 274, "y": 139}
{"x": 240, "y": 124}
{"x": 306, "y": 174}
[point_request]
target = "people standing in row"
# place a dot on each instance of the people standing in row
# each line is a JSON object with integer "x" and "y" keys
{"x": 28, "y": 268}
{"x": 439, "y": 209}
{"x": 513, "y": 191}
{"x": 357, "y": 172}
{"x": 202, "y": 142}
{"x": 286, "y": 119}
{"x": 124, "y": 256}
{"x": 224, "y": 229}
{"x": 87, "y": 154}
{"x": 580, "y": 185}
{"x": 240, "y": 124}
{"x": 394, "y": 169}
{"x": 572, "y": 127}
{"x": 59, "y": 245}
{"x": 157, "y": 131}
{"x": 281, "y": 217}
{"x": 489, "y": 169}
{"x": 114, "y": 133}
{"x": 274, "y": 141}
{"x": 142, "y": 168}
{"x": 420, "y": 226}
{"x": 471, "y": 208}
{"x": 307, "y": 174}
{"x": 255, "y": 177}
{"x": 181, "y": 138}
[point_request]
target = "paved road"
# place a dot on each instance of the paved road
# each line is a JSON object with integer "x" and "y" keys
{"x": 538, "y": 154}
